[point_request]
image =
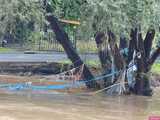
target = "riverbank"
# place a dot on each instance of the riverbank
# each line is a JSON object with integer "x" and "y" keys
{"x": 50, "y": 80}
{"x": 70, "y": 105}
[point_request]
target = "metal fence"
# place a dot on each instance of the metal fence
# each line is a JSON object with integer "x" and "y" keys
{"x": 49, "y": 44}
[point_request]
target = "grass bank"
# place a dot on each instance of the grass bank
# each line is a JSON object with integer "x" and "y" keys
{"x": 90, "y": 63}
{"x": 5, "y": 50}
{"x": 156, "y": 68}
{"x": 81, "y": 46}
{"x": 95, "y": 63}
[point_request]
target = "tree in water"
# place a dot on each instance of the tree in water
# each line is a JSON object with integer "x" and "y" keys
{"x": 112, "y": 59}
{"x": 63, "y": 39}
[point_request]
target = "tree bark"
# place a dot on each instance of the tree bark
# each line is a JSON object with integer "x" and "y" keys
{"x": 103, "y": 52}
{"x": 109, "y": 50}
{"x": 153, "y": 57}
{"x": 142, "y": 86}
{"x": 148, "y": 42}
{"x": 118, "y": 58}
{"x": 132, "y": 44}
{"x": 139, "y": 86}
{"x": 123, "y": 43}
{"x": 104, "y": 56}
{"x": 63, "y": 39}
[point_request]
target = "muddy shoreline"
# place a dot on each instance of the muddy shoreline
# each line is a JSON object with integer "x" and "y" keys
{"x": 42, "y": 73}
{"x": 32, "y": 68}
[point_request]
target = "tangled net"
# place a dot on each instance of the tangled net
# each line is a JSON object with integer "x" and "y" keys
{"x": 74, "y": 74}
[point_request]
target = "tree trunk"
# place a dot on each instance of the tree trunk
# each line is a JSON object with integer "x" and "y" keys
{"x": 104, "y": 57}
{"x": 109, "y": 53}
{"x": 118, "y": 58}
{"x": 148, "y": 42}
{"x": 153, "y": 57}
{"x": 103, "y": 52}
{"x": 123, "y": 43}
{"x": 142, "y": 86}
{"x": 63, "y": 39}
{"x": 132, "y": 44}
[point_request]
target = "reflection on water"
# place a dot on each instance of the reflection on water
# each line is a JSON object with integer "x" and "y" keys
{"x": 78, "y": 107}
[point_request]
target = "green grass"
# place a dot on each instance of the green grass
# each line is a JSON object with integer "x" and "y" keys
{"x": 65, "y": 62}
{"x": 82, "y": 46}
{"x": 96, "y": 63}
{"x": 93, "y": 63}
{"x": 90, "y": 63}
{"x": 86, "y": 46}
{"x": 156, "y": 68}
{"x": 4, "y": 50}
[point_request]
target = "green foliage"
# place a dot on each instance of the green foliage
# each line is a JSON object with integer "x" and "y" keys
{"x": 122, "y": 15}
{"x": 23, "y": 21}
{"x": 156, "y": 68}
{"x": 5, "y": 50}
{"x": 18, "y": 18}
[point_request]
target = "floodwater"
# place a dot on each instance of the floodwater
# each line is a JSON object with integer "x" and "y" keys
{"x": 77, "y": 107}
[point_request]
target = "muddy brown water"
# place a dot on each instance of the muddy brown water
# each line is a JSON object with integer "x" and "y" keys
{"x": 58, "y": 106}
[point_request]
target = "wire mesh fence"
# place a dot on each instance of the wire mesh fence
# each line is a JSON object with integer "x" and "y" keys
{"x": 82, "y": 46}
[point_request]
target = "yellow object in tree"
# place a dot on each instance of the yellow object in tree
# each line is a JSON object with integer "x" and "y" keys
{"x": 70, "y": 21}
